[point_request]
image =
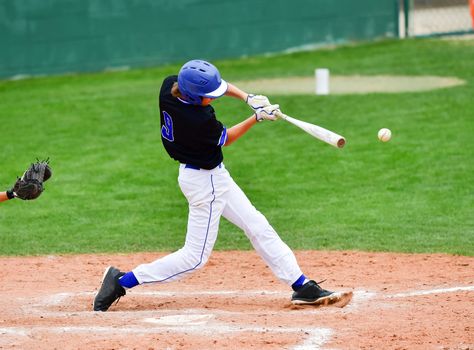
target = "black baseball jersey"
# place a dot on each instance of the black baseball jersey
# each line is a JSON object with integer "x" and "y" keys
{"x": 191, "y": 134}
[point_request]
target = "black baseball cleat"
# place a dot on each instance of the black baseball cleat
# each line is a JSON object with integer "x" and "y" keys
{"x": 309, "y": 293}
{"x": 110, "y": 290}
{"x": 312, "y": 294}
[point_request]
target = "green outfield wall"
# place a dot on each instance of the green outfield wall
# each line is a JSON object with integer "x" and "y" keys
{"x": 56, "y": 36}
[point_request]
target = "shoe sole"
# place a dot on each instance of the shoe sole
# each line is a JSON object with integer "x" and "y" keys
{"x": 101, "y": 283}
{"x": 338, "y": 299}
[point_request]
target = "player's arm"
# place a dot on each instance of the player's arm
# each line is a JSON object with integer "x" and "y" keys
{"x": 234, "y": 91}
{"x": 238, "y": 130}
{"x": 255, "y": 102}
{"x": 3, "y": 196}
{"x": 6, "y": 195}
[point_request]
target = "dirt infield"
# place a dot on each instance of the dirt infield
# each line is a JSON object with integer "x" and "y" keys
{"x": 401, "y": 301}
{"x": 350, "y": 84}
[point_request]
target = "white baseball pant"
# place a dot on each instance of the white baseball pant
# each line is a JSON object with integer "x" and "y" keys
{"x": 212, "y": 194}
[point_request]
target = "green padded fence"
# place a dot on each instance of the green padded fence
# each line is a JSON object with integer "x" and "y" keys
{"x": 56, "y": 36}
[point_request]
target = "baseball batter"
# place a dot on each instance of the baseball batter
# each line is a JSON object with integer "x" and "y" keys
{"x": 192, "y": 135}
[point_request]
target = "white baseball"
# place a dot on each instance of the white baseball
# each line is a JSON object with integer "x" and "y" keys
{"x": 384, "y": 135}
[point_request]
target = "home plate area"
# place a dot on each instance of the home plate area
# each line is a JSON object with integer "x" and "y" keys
{"x": 218, "y": 317}
{"x": 413, "y": 301}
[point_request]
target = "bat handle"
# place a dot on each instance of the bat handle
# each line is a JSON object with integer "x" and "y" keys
{"x": 281, "y": 115}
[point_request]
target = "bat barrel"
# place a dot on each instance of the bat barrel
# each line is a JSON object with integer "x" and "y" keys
{"x": 316, "y": 131}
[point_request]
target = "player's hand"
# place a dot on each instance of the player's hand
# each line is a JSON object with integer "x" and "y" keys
{"x": 267, "y": 113}
{"x": 257, "y": 101}
{"x": 30, "y": 185}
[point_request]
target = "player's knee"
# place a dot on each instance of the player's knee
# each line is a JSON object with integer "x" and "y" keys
{"x": 195, "y": 259}
{"x": 197, "y": 263}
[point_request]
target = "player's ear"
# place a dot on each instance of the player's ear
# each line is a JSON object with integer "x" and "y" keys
{"x": 206, "y": 101}
{"x": 175, "y": 91}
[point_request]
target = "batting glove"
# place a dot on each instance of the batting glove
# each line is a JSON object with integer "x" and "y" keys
{"x": 257, "y": 101}
{"x": 267, "y": 113}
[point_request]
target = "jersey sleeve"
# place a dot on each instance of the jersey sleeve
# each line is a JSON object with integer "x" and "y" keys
{"x": 223, "y": 138}
{"x": 217, "y": 133}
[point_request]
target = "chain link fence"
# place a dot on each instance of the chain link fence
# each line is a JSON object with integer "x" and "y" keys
{"x": 436, "y": 17}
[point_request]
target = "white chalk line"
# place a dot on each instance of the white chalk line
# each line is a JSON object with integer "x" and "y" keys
{"x": 178, "y": 320}
{"x": 363, "y": 294}
{"x": 14, "y": 331}
{"x": 431, "y": 291}
{"x": 316, "y": 339}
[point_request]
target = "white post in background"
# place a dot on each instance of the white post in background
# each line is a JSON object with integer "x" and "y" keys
{"x": 322, "y": 81}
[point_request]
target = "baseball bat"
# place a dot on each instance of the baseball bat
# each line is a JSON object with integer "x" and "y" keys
{"x": 316, "y": 131}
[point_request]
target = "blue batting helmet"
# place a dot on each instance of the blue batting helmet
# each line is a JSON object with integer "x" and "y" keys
{"x": 198, "y": 79}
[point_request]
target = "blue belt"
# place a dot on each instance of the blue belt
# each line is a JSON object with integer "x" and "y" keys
{"x": 190, "y": 166}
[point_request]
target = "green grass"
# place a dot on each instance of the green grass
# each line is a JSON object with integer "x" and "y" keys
{"x": 114, "y": 188}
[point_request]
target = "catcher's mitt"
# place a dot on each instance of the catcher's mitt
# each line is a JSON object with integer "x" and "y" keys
{"x": 30, "y": 185}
